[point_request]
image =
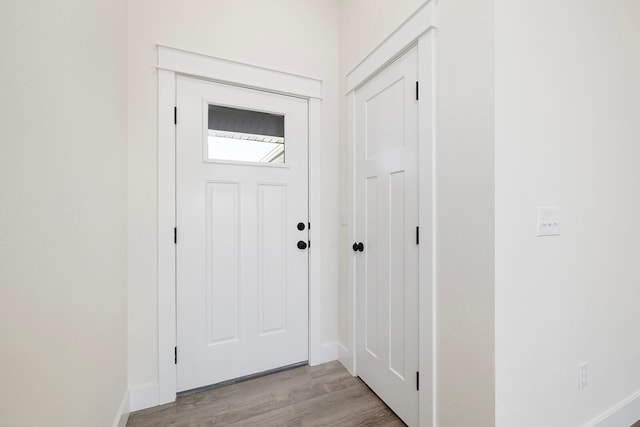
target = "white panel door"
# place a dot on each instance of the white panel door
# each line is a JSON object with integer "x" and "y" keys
{"x": 386, "y": 214}
{"x": 242, "y": 279}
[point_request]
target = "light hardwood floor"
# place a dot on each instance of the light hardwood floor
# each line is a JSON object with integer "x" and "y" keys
{"x": 324, "y": 395}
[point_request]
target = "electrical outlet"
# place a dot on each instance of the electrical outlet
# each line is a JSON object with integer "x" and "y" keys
{"x": 583, "y": 375}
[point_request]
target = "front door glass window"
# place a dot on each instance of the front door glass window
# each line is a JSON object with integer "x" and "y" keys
{"x": 245, "y": 136}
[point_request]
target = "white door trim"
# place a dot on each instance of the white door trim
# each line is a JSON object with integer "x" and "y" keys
{"x": 251, "y": 76}
{"x": 401, "y": 39}
{"x": 418, "y": 30}
{"x": 172, "y": 62}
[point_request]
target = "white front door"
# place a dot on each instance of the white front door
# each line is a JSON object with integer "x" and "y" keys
{"x": 386, "y": 215}
{"x": 242, "y": 231}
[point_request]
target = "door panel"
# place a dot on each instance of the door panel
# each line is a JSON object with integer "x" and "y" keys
{"x": 222, "y": 262}
{"x": 242, "y": 283}
{"x": 397, "y": 284}
{"x": 386, "y": 193}
{"x": 372, "y": 266}
{"x": 272, "y": 241}
{"x": 385, "y": 135}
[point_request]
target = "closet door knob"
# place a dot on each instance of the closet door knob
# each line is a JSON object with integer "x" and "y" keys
{"x": 302, "y": 244}
{"x": 358, "y": 247}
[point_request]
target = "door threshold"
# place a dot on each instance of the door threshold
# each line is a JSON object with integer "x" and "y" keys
{"x": 241, "y": 379}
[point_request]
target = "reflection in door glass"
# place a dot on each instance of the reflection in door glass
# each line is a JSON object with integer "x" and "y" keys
{"x": 244, "y": 135}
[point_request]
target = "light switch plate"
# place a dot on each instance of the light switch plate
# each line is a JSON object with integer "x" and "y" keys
{"x": 583, "y": 375}
{"x": 344, "y": 217}
{"x": 548, "y": 222}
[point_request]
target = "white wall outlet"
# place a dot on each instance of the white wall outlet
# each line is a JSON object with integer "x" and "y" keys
{"x": 583, "y": 375}
{"x": 548, "y": 222}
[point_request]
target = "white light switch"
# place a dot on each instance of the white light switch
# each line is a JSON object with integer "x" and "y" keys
{"x": 583, "y": 375}
{"x": 548, "y": 222}
{"x": 344, "y": 217}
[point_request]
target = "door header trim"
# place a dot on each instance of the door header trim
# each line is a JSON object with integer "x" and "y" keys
{"x": 395, "y": 45}
{"x": 232, "y": 72}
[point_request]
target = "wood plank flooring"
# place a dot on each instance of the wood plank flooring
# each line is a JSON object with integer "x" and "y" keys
{"x": 324, "y": 395}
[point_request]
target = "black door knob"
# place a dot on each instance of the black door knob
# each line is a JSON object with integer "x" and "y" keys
{"x": 358, "y": 247}
{"x": 301, "y": 226}
{"x": 302, "y": 244}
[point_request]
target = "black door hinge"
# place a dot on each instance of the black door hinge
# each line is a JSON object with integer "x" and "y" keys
{"x": 417, "y": 235}
{"x": 309, "y": 225}
{"x": 175, "y": 115}
{"x": 175, "y": 235}
{"x": 417, "y": 91}
{"x": 175, "y": 355}
{"x": 418, "y": 381}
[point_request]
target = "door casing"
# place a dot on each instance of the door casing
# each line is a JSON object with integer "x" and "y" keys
{"x": 418, "y": 30}
{"x": 171, "y": 63}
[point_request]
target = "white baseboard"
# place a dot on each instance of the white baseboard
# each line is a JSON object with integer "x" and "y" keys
{"x": 123, "y": 412}
{"x": 144, "y": 396}
{"x": 342, "y": 350}
{"x": 328, "y": 353}
{"x": 346, "y": 358}
{"x": 623, "y": 414}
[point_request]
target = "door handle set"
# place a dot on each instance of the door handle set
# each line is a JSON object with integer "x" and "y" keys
{"x": 358, "y": 247}
{"x": 301, "y": 243}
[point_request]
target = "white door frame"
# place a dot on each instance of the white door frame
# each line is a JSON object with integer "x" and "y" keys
{"x": 417, "y": 30}
{"x": 171, "y": 63}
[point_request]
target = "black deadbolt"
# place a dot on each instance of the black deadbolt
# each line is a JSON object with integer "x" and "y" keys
{"x": 358, "y": 247}
{"x": 301, "y": 226}
{"x": 302, "y": 244}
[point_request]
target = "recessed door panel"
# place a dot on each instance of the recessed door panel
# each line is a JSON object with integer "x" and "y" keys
{"x": 384, "y": 119}
{"x": 397, "y": 243}
{"x": 272, "y": 269}
{"x": 371, "y": 260}
{"x": 222, "y": 262}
